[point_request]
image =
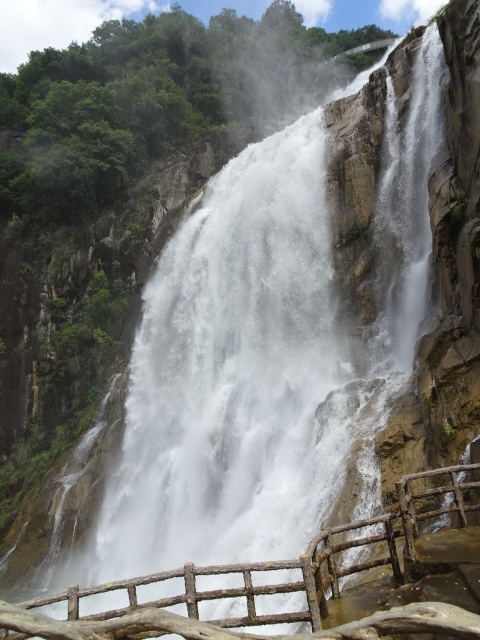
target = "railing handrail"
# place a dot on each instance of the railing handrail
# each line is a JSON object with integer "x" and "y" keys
{"x": 314, "y": 585}
{"x": 407, "y": 505}
{"x": 438, "y": 472}
{"x": 359, "y": 524}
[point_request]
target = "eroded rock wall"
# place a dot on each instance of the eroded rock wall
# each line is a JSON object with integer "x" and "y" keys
{"x": 432, "y": 425}
{"x": 355, "y": 126}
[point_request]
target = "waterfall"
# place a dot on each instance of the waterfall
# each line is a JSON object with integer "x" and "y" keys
{"x": 402, "y": 228}
{"x": 236, "y": 348}
{"x": 239, "y": 415}
{"x": 403, "y": 242}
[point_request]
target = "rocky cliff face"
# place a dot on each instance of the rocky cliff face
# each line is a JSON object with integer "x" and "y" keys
{"x": 51, "y": 388}
{"x": 440, "y": 414}
{"x": 432, "y": 422}
{"x": 356, "y": 127}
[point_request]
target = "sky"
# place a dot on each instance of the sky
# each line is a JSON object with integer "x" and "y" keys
{"x": 26, "y": 25}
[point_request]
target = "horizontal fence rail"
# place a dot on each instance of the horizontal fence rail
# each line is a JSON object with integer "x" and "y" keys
{"x": 192, "y": 596}
{"x": 319, "y": 566}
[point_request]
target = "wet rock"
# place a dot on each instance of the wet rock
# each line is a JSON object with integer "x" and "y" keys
{"x": 203, "y": 164}
{"x": 401, "y": 445}
{"x": 75, "y": 503}
{"x": 445, "y": 551}
{"x": 355, "y": 127}
{"x": 459, "y": 28}
{"x": 400, "y": 64}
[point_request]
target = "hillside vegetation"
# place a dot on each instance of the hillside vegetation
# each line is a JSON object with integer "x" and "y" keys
{"x": 97, "y": 114}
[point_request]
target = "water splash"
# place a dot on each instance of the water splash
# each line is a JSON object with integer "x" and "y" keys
{"x": 235, "y": 351}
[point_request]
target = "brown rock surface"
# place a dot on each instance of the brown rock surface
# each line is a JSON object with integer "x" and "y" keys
{"x": 33, "y": 528}
{"x": 355, "y": 127}
{"x": 447, "y": 366}
{"x": 400, "y": 446}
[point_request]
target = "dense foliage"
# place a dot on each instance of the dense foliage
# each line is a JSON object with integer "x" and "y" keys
{"x": 96, "y": 114}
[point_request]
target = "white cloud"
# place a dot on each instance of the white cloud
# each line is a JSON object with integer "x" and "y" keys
{"x": 416, "y": 10}
{"x": 313, "y": 10}
{"x": 26, "y": 25}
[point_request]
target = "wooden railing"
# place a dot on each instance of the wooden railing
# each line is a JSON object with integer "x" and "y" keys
{"x": 318, "y": 565}
{"x": 323, "y": 548}
{"x": 191, "y": 596}
{"x": 407, "y": 497}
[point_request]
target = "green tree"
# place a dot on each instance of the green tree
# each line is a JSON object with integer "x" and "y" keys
{"x": 114, "y": 43}
{"x": 52, "y": 65}
{"x": 154, "y": 108}
{"x": 282, "y": 15}
{"x": 12, "y": 166}
{"x": 12, "y": 113}
{"x": 76, "y": 151}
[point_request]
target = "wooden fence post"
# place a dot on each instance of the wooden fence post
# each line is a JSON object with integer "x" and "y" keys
{"x": 459, "y": 500}
{"x": 332, "y": 570}
{"x": 132, "y": 598}
{"x": 247, "y": 577}
{"x": 397, "y": 573}
{"x": 408, "y": 525}
{"x": 311, "y": 592}
{"x": 190, "y": 590}
{"x": 321, "y": 599}
{"x": 73, "y": 605}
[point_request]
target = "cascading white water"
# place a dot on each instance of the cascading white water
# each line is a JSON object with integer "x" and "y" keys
{"x": 222, "y": 460}
{"x": 402, "y": 223}
{"x": 76, "y": 468}
{"x": 236, "y": 348}
{"x": 403, "y": 237}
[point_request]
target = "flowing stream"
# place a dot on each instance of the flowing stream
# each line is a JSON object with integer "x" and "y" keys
{"x": 222, "y": 458}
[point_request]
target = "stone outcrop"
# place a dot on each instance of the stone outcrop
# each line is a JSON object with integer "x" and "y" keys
{"x": 77, "y": 502}
{"x": 401, "y": 445}
{"x": 430, "y": 424}
{"x": 355, "y": 126}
